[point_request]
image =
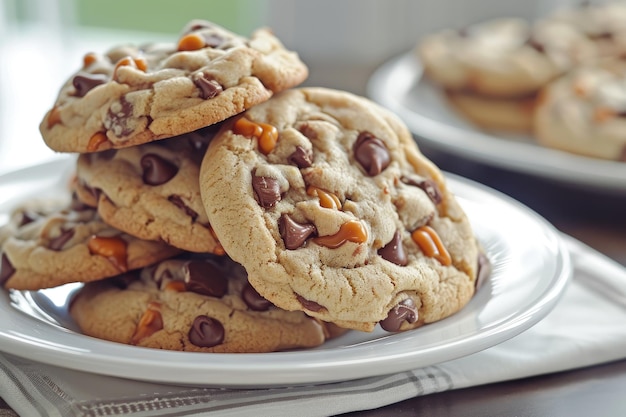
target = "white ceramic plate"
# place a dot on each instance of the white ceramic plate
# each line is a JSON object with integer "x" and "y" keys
{"x": 400, "y": 86}
{"x": 530, "y": 270}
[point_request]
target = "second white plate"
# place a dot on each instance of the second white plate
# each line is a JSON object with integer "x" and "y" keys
{"x": 530, "y": 270}
{"x": 400, "y": 86}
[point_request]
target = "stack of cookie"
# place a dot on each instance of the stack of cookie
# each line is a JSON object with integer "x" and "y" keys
{"x": 509, "y": 74}
{"x": 218, "y": 208}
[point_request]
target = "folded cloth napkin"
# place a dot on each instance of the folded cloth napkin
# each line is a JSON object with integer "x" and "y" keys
{"x": 585, "y": 328}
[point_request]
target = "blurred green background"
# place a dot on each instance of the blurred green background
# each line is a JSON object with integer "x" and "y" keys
{"x": 160, "y": 16}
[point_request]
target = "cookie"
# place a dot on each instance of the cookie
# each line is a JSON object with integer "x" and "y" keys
{"x": 497, "y": 114}
{"x": 603, "y": 23}
{"x": 151, "y": 191}
{"x": 137, "y": 94}
{"x": 327, "y": 202}
{"x": 492, "y": 72}
{"x": 195, "y": 304}
{"x": 46, "y": 245}
{"x": 584, "y": 112}
{"x": 506, "y": 57}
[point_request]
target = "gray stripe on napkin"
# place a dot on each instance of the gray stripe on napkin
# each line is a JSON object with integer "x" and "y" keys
{"x": 418, "y": 382}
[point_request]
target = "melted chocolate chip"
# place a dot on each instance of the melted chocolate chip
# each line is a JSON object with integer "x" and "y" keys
{"x": 84, "y": 82}
{"x": 206, "y": 332}
{"x": 302, "y": 158}
{"x": 253, "y": 299}
{"x": 27, "y": 217}
{"x": 213, "y": 40}
{"x": 429, "y": 186}
{"x": 404, "y": 311}
{"x": 602, "y": 36}
{"x": 294, "y": 234}
{"x": 6, "y": 269}
{"x": 199, "y": 26}
{"x": 309, "y": 305}
{"x": 156, "y": 170}
{"x": 394, "y": 250}
{"x": 267, "y": 191}
{"x": 205, "y": 278}
{"x": 58, "y": 242}
{"x": 483, "y": 270}
{"x": 536, "y": 45}
{"x": 371, "y": 153}
{"x": 178, "y": 202}
{"x": 308, "y": 131}
{"x": 118, "y": 116}
{"x": 209, "y": 87}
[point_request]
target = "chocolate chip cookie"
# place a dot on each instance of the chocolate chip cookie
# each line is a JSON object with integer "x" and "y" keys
{"x": 492, "y": 71}
{"x": 191, "y": 303}
{"x": 136, "y": 94}
{"x": 584, "y": 112}
{"x": 327, "y": 202}
{"x": 46, "y": 245}
{"x": 151, "y": 191}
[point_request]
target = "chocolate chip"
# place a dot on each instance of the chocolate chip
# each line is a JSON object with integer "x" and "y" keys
{"x": 294, "y": 234}
{"x": 309, "y": 305}
{"x": 206, "y": 332}
{"x": 213, "y": 40}
{"x": 302, "y": 158}
{"x": 429, "y": 186}
{"x": 84, "y": 82}
{"x": 483, "y": 270}
{"x": 58, "y": 242}
{"x": 602, "y": 36}
{"x": 394, "y": 250}
{"x": 199, "y": 26}
{"x": 371, "y": 153}
{"x": 308, "y": 131}
{"x": 156, "y": 170}
{"x": 178, "y": 202}
{"x": 6, "y": 269}
{"x": 404, "y": 311}
{"x": 205, "y": 278}
{"x": 209, "y": 87}
{"x": 118, "y": 116}
{"x": 253, "y": 299}
{"x": 28, "y": 216}
{"x": 267, "y": 191}
{"x": 536, "y": 45}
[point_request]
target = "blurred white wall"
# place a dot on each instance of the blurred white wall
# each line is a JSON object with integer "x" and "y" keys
{"x": 343, "y": 41}
{"x": 367, "y": 30}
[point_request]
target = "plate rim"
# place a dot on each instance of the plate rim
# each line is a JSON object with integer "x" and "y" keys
{"x": 394, "y": 79}
{"x": 297, "y": 367}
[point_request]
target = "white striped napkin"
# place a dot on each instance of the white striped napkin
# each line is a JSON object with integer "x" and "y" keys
{"x": 585, "y": 328}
